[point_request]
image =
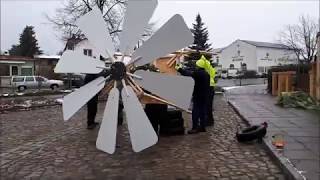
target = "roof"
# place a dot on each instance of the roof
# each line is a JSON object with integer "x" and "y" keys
{"x": 218, "y": 50}
{"x": 42, "y": 56}
{"x": 266, "y": 44}
{"x": 15, "y": 58}
{"x": 73, "y": 41}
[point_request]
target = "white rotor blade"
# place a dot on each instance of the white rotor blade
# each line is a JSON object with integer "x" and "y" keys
{"x": 137, "y": 16}
{"x": 95, "y": 29}
{"x": 74, "y": 101}
{"x": 106, "y": 140}
{"x": 142, "y": 134}
{"x": 172, "y": 36}
{"x": 175, "y": 89}
{"x": 76, "y": 62}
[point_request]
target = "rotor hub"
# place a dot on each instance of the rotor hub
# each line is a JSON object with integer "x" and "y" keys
{"x": 118, "y": 71}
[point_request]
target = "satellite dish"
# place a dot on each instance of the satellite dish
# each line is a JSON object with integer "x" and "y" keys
{"x": 173, "y": 35}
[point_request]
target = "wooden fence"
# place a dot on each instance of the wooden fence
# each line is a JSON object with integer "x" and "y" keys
{"x": 314, "y": 74}
{"x": 282, "y": 82}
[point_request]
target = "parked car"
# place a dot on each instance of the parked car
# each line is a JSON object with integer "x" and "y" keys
{"x": 73, "y": 80}
{"x": 224, "y": 74}
{"x": 262, "y": 75}
{"x": 232, "y": 73}
{"x": 29, "y": 82}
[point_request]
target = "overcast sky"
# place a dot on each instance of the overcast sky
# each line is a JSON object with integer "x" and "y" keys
{"x": 226, "y": 20}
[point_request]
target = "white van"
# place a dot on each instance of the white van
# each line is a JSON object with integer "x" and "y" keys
{"x": 232, "y": 73}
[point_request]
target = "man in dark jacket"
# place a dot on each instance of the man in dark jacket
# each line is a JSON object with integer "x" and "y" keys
{"x": 199, "y": 96}
{"x": 92, "y": 105}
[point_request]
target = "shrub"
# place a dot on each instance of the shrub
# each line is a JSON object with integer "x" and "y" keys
{"x": 249, "y": 74}
{"x": 297, "y": 100}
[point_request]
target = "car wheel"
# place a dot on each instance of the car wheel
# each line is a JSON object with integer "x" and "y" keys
{"x": 54, "y": 87}
{"x": 22, "y": 88}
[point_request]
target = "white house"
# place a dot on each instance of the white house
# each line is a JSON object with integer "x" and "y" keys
{"x": 82, "y": 45}
{"x": 253, "y": 55}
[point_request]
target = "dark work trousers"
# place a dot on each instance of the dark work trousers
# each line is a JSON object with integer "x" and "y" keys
{"x": 210, "y": 109}
{"x": 92, "y": 106}
{"x": 199, "y": 114}
{"x": 120, "y": 113}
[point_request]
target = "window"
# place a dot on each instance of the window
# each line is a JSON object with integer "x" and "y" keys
{"x": 87, "y": 52}
{"x": 38, "y": 78}
{"x": 261, "y": 69}
{"x": 29, "y": 78}
{"x": 18, "y": 79}
{"x": 26, "y": 71}
{"x": 244, "y": 66}
{"x": 231, "y": 66}
{"x": 266, "y": 69}
{"x": 14, "y": 70}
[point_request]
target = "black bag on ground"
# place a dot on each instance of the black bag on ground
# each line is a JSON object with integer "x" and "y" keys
{"x": 174, "y": 124}
{"x": 252, "y": 133}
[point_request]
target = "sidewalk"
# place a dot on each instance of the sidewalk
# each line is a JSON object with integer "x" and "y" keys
{"x": 299, "y": 127}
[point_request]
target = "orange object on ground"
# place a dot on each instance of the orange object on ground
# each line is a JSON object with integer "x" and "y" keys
{"x": 278, "y": 141}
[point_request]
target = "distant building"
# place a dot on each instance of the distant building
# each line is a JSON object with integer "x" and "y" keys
{"x": 41, "y": 65}
{"x": 16, "y": 65}
{"x": 45, "y": 64}
{"x": 81, "y": 44}
{"x": 253, "y": 55}
{"x": 25, "y": 66}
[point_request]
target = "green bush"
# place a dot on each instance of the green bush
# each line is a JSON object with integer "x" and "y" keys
{"x": 249, "y": 74}
{"x": 297, "y": 100}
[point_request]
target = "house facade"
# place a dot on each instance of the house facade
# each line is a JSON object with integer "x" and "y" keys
{"x": 81, "y": 44}
{"x": 16, "y": 66}
{"x": 253, "y": 55}
{"x": 41, "y": 65}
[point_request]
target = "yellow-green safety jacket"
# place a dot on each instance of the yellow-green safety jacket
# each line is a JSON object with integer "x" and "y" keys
{"x": 210, "y": 70}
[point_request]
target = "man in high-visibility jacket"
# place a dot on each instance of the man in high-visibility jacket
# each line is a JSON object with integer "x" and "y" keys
{"x": 199, "y": 97}
{"x": 212, "y": 72}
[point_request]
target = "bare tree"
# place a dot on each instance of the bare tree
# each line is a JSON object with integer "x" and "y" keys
{"x": 301, "y": 38}
{"x": 112, "y": 10}
{"x": 71, "y": 10}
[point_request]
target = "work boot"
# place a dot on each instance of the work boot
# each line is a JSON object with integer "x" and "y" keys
{"x": 93, "y": 125}
{"x": 202, "y": 129}
{"x": 193, "y": 131}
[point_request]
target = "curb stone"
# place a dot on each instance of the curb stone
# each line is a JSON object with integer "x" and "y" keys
{"x": 291, "y": 173}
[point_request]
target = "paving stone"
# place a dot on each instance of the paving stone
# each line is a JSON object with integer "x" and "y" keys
{"x": 43, "y": 146}
{"x": 299, "y": 127}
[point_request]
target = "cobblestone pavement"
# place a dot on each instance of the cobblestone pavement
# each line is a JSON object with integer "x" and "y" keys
{"x": 38, "y": 144}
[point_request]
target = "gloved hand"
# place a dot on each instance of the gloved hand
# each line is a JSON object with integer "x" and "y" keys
{"x": 178, "y": 66}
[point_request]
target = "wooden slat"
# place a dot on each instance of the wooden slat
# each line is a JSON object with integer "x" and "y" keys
{"x": 163, "y": 67}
